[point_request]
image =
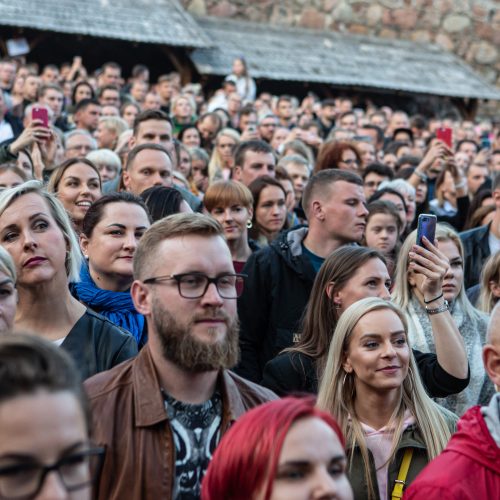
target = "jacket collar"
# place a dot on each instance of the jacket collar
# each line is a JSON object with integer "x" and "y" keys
{"x": 149, "y": 404}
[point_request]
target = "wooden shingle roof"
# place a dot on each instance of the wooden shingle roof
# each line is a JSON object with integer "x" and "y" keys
{"x": 293, "y": 54}
{"x": 152, "y": 21}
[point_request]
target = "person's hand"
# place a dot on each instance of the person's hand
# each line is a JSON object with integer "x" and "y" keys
{"x": 482, "y": 158}
{"x": 38, "y": 164}
{"x": 250, "y": 135}
{"x": 438, "y": 150}
{"x": 432, "y": 265}
{"x": 35, "y": 132}
{"x": 48, "y": 150}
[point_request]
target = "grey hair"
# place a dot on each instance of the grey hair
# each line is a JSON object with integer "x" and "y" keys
{"x": 74, "y": 257}
{"x": 79, "y": 131}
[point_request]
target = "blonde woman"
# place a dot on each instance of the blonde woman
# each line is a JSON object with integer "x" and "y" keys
{"x": 372, "y": 388}
{"x": 222, "y": 159}
{"x": 452, "y": 302}
{"x": 490, "y": 284}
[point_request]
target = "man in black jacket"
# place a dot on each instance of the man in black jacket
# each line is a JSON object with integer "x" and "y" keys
{"x": 280, "y": 277}
{"x": 481, "y": 242}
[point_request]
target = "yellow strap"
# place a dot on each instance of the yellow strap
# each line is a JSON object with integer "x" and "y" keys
{"x": 397, "y": 492}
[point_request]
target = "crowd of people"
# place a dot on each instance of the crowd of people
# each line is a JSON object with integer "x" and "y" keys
{"x": 225, "y": 296}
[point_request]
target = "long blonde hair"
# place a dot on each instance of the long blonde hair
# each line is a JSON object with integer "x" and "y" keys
{"x": 402, "y": 291}
{"x": 337, "y": 393}
{"x": 490, "y": 272}
{"x": 215, "y": 164}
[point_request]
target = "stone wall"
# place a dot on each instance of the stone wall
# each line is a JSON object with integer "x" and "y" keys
{"x": 469, "y": 28}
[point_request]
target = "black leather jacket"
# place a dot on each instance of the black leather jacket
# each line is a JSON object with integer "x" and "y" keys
{"x": 476, "y": 251}
{"x": 96, "y": 344}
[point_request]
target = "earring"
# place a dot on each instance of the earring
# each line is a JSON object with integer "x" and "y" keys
{"x": 337, "y": 305}
{"x": 249, "y": 224}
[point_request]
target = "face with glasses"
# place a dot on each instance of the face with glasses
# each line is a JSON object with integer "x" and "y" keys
{"x": 79, "y": 145}
{"x": 349, "y": 161}
{"x": 47, "y": 456}
{"x": 189, "y": 300}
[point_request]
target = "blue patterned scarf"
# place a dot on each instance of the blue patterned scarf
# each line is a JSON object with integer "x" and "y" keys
{"x": 118, "y": 307}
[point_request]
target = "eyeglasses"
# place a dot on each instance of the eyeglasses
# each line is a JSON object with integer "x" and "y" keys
{"x": 23, "y": 481}
{"x": 350, "y": 161}
{"x": 195, "y": 285}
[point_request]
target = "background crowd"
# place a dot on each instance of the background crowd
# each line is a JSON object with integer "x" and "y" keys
{"x": 196, "y": 258}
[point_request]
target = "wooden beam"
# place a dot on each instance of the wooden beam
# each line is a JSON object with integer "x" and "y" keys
{"x": 183, "y": 67}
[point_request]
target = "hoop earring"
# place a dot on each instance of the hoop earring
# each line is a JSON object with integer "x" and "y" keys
{"x": 249, "y": 224}
{"x": 337, "y": 306}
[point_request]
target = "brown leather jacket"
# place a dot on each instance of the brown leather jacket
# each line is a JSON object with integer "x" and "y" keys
{"x": 129, "y": 419}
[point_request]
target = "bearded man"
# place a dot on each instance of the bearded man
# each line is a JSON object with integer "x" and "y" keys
{"x": 161, "y": 415}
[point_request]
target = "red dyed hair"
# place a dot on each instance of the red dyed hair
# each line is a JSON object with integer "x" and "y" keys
{"x": 330, "y": 154}
{"x": 248, "y": 453}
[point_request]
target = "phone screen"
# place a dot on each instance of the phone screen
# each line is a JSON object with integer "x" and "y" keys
{"x": 444, "y": 134}
{"x": 426, "y": 227}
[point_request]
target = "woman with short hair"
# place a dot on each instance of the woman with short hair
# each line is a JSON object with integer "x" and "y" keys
{"x": 111, "y": 230}
{"x": 44, "y": 423}
{"x": 230, "y": 203}
{"x": 285, "y": 449}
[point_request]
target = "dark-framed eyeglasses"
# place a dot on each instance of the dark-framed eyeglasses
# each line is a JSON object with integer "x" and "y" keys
{"x": 195, "y": 285}
{"x": 23, "y": 480}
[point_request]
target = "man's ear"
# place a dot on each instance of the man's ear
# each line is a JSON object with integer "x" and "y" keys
{"x": 237, "y": 173}
{"x": 132, "y": 142}
{"x": 491, "y": 361}
{"x": 126, "y": 179}
{"x": 317, "y": 211}
{"x": 141, "y": 295}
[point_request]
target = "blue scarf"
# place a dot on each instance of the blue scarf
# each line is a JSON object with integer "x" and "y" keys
{"x": 118, "y": 307}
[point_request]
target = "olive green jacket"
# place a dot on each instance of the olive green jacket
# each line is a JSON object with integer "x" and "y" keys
{"x": 411, "y": 438}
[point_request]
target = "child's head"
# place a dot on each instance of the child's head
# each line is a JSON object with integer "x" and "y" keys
{"x": 383, "y": 226}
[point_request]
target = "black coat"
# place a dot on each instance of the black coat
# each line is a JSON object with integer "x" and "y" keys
{"x": 293, "y": 372}
{"x": 97, "y": 345}
{"x": 476, "y": 251}
{"x": 277, "y": 289}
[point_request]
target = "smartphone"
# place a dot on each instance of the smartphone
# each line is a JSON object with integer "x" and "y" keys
{"x": 485, "y": 141}
{"x": 40, "y": 114}
{"x": 426, "y": 227}
{"x": 444, "y": 134}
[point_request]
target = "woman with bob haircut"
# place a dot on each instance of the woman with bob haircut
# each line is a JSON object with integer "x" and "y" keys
{"x": 222, "y": 160}
{"x": 37, "y": 233}
{"x": 372, "y": 388}
{"x": 8, "y": 291}
{"x": 230, "y": 203}
{"x": 341, "y": 155}
{"x": 77, "y": 184}
{"x": 284, "y": 449}
{"x": 450, "y": 300}
{"x": 44, "y": 423}
{"x": 336, "y": 287}
{"x": 111, "y": 230}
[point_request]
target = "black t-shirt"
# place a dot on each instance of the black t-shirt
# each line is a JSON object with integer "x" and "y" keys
{"x": 196, "y": 433}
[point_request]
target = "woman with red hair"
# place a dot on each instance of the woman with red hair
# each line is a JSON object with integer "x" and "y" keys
{"x": 285, "y": 449}
{"x": 341, "y": 155}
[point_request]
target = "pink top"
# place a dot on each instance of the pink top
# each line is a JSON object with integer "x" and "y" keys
{"x": 379, "y": 443}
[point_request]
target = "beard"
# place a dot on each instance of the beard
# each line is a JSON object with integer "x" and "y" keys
{"x": 183, "y": 349}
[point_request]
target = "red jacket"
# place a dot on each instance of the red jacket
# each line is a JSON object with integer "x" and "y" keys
{"x": 468, "y": 468}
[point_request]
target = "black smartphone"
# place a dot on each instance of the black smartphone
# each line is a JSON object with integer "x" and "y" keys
{"x": 426, "y": 227}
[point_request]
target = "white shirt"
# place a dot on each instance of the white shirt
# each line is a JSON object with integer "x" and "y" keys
{"x": 6, "y": 131}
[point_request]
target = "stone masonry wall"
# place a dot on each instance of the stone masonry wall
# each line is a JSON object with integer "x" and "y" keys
{"x": 469, "y": 28}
